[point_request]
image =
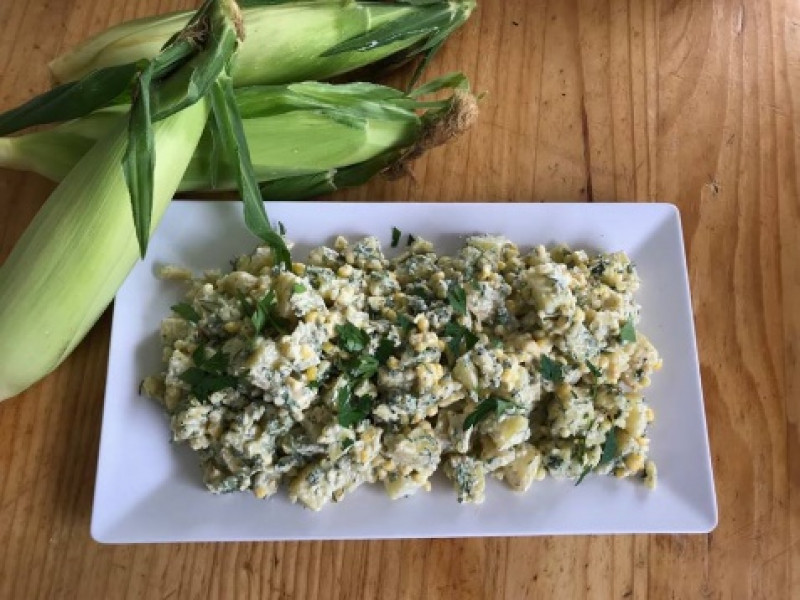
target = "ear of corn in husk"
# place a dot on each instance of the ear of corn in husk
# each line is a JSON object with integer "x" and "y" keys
{"x": 305, "y": 139}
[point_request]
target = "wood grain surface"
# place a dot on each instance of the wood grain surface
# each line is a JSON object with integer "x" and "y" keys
{"x": 690, "y": 102}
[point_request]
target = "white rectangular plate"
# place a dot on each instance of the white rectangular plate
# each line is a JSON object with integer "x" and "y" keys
{"x": 149, "y": 490}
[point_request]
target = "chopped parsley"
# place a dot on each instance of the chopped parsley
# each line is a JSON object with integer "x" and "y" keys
{"x": 609, "y": 447}
{"x": 186, "y": 311}
{"x": 208, "y": 375}
{"x": 459, "y": 334}
{"x": 264, "y": 314}
{"x": 491, "y": 405}
{"x": 362, "y": 365}
{"x": 396, "y": 235}
{"x": 281, "y": 228}
{"x": 594, "y": 370}
{"x": 457, "y": 298}
{"x": 298, "y": 288}
{"x": 404, "y": 323}
{"x": 411, "y": 239}
{"x": 352, "y": 409}
{"x": 384, "y": 351}
{"x": 551, "y": 370}
{"x": 351, "y": 338}
{"x": 628, "y": 332}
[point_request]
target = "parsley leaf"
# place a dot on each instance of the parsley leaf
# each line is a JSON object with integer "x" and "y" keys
{"x": 594, "y": 370}
{"x": 551, "y": 370}
{"x": 186, "y": 311}
{"x": 396, "y": 235}
{"x": 264, "y": 314}
{"x": 384, "y": 351}
{"x": 208, "y": 375}
{"x": 627, "y": 333}
{"x": 346, "y": 443}
{"x": 609, "y": 447}
{"x": 485, "y": 408}
{"x": 458, "y": 334}
{"x": 351, "y": 338}
{"x": 586, "y": 470}
{"x": 411, "y": 240}
{"x": 298, "y": 288}
{"x": 457, "y": 298}
{"x": 281, "y": 228}
{"x": 363, "y": 365}
{"x": 404, "y": 323}
{"x": 352, "y": 410}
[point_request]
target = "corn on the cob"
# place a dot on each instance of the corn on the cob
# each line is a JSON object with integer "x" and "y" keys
{"x": 287, "y": 41}
{"x": 81, "y": 245}
{"x": 305, "y": 139}
{"x": 79, "y": 248}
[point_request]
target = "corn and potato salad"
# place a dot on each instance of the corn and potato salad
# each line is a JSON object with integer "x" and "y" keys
{"x": 356, "y": 368}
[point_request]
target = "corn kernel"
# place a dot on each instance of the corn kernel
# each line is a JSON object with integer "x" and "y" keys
{"x": 311, "y": 373}
{"x": 298, "y": 269}
{"x": 327, "y": 347}
{"x": 345, "y": 271}
{"x": 232, "y": 327}
{"x": 634, "y": 462}
{"x": 311, "y": 316}
{"x": 260, "y": 492}
{"x": 392, "y": 362}
{"x": 422, "y": 323}
{"x": 306, "y": 352}
{"x": 390, "y": 314}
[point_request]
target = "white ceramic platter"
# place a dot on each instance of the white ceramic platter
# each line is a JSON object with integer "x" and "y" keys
{"x": 149, "y": 490}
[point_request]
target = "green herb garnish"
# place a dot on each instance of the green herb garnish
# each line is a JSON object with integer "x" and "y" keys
{"x": 628, "y": 332}
{"x": 208, "y": 375}
{"x": 360, "y": 366}
{"x": 396, "y": 235}
{"x": 457, "y": 298}
{"x": 458, "y": 334}
{"x": 347, "y": 443}
{"x": 609, "y": 447}
{"x": 351, "y": 338}
{"x": 586, "y": 470}
{"x": 551, "y": 370}
{"x": 495, "y": 405}
{"x": 298, "y": 288}
{"x": 594, "y": 370}
{"x": 384, "y": 351}
{"x": 281, "y": 228}
{"x": 352, "y": 409}
{"x": 186, "y": 311}
{"x": 264, "y": 314}
{"x": 404, "y": 323}
{"x": 411, "y": 240}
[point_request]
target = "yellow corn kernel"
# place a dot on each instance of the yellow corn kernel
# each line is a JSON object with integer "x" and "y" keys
{"x": 311, "y": 316}
{"x": 311, "y": 373}
{"x": 345, "y": 271}
{"x": 650, "y": 415}
{"x": 508, "y": 376}
{"x": 422, "y": 323}
{"x": 232, "y": 327}
{"x": 285, "y": 345}
{"x": 634, "y": 462}
{"x": 438, "y": 276}
{"x": 306, "y": 352}
{"x": 327, "y": 347}
{"x": 392, "y": 362}
{"x": 298, "y": 269}
{"x": 260, "y": 492}
{"x": 418, "y": 478}
{"x": 390, "y": 314}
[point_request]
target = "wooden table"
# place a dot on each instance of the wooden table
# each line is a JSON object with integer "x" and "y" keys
{"x": 694, "y": 103}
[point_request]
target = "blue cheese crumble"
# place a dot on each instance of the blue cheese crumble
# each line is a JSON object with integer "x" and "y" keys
{"x": 353, "y": 368}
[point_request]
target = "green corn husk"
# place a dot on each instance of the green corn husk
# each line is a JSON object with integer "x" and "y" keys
{"x": 77, "y": 251}
{"x": 305, "y": 139}
{"x": 287, "y": 41}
